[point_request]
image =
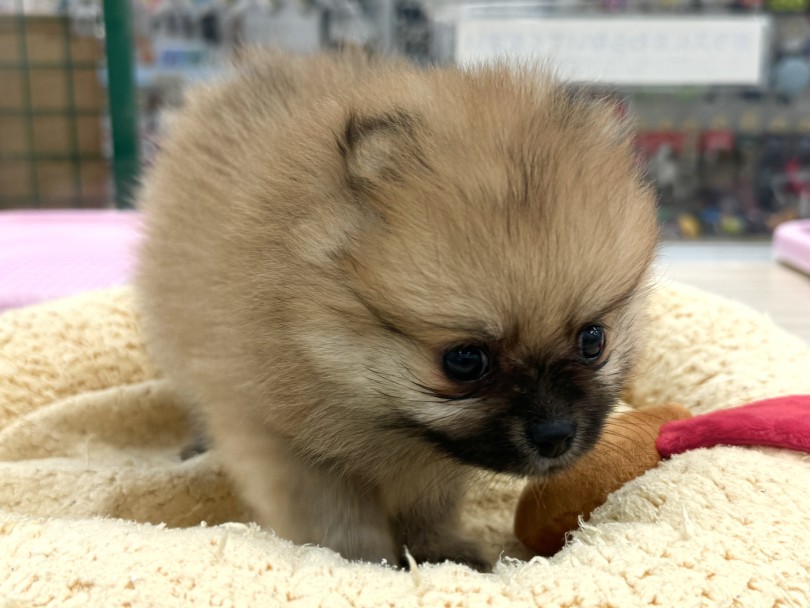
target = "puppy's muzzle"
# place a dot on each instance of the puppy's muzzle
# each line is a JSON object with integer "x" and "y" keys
{"x": 552, "y": 439}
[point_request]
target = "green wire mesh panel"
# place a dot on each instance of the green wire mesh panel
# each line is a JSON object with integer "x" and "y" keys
{"x": 54, "y": 116}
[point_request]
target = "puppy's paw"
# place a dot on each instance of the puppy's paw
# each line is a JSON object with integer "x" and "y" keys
{"x": 199, "y": 445}
{"x": 363, "y": 542}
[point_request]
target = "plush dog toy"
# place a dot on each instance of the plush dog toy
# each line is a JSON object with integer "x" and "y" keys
{"x": 634, "y": 442}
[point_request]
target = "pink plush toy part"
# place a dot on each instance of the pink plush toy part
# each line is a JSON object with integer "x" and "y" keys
{"x": 782, "y": 422}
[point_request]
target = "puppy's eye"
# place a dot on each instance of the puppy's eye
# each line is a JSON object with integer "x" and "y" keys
{"x": 591, "y": 342}
{"x": 466, "y": 363}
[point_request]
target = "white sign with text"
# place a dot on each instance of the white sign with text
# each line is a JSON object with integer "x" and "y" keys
{"x": 637, "y": 51}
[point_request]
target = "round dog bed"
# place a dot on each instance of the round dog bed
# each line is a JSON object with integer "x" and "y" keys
{"x": 97, "y": 509}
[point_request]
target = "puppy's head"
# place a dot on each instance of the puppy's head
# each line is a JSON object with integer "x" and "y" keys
{"x": 495, "y": 283}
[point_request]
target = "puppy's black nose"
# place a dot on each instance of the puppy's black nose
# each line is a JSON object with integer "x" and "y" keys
{"x": 552, "y": 439}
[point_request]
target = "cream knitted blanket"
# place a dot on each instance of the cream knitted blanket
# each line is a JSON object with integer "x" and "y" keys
{"x": 97, "y": 509}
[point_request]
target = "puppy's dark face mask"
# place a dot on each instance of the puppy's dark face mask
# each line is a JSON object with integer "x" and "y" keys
{"x": 492, "y": 408}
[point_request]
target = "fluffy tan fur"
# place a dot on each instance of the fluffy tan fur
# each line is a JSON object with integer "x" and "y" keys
{"x": 319, "y": 230}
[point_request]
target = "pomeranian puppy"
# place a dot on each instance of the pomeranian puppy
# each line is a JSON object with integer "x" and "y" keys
{"x": 374, "y": 279}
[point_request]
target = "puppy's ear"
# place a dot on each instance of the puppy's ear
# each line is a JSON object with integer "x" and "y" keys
{"x": 604, "y": 110}
{"x": 380, "y": 148}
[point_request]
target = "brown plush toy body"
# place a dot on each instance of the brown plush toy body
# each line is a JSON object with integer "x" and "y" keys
{"x": 549, "y": 508}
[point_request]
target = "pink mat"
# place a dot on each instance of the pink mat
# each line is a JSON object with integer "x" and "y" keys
{"x": 791, "y": 244}
{"x": 51, "y": 254}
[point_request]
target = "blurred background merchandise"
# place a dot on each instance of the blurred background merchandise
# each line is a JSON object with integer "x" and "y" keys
{"x": 720, "y": 88}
